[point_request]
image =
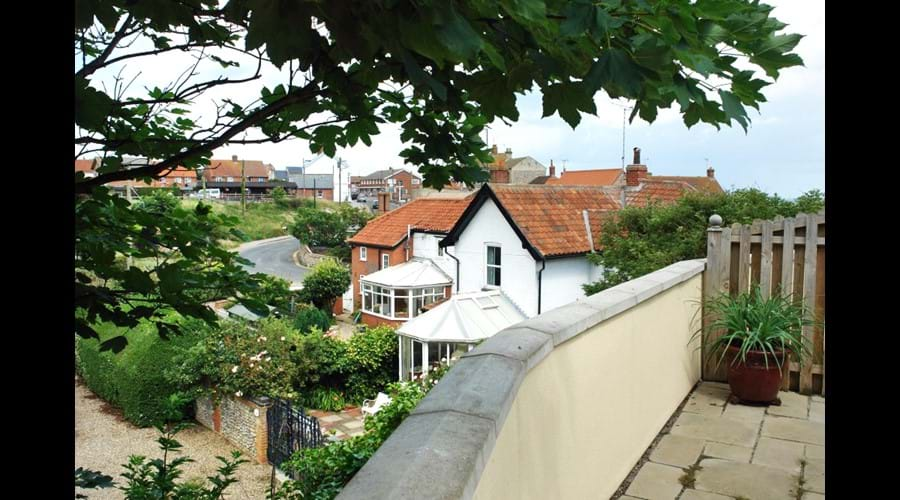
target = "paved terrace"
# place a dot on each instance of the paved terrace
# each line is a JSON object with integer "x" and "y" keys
{"x": 716, "y": 451}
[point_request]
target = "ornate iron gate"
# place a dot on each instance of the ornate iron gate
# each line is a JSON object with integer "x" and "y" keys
{"x": 290, "y": 429}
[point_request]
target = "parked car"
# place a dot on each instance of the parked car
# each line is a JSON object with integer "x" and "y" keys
{"x": 207, "y": 193}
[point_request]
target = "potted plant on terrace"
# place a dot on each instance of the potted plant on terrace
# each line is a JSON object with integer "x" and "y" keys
{"x": 759, "y": 335}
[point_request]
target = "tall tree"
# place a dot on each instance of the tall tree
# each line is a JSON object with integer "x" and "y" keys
{"x": 333, "y": 73}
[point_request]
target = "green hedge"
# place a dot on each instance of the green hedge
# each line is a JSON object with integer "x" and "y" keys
{"x": 133, "y": 379}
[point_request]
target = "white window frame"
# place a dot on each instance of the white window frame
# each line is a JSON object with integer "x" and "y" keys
{"x": 385, "y": 260}
{"x": 230, "y": 179}
{"x": 487, "y": 247}
{"x": 363, "y": 254}
{"x": 425, "y": 295}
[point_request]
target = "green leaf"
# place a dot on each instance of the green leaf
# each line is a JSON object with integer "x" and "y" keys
{"x": 568, "y": 98}
{"x": 579, "y": 17}
{"x": 616, "y": 73}
{"x": 92, "y": 107}
{"x": 733, "y": 108}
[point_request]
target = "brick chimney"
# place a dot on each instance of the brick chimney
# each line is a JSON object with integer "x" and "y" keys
{"x": 494, "y": 149}
{"x": 635, "y": 172}
{"x": 552, "y": 169}
{"x": 711, "y": 172}
{"x": 384, "y": 202}
{"x": 234, "y": 158}
{"x": 509, "y": 151}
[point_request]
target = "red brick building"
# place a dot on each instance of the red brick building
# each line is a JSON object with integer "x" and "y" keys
{"x": 399, "y": 182}
{"x": 387, "y": 241}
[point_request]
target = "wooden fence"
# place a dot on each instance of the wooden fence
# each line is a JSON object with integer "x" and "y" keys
{"x": 785, "y": 255}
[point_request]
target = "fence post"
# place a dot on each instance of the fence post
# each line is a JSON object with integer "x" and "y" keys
{"x": 713, "y": 284}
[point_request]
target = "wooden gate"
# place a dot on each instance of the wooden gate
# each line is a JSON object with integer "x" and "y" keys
{"x": 781, "y": 256}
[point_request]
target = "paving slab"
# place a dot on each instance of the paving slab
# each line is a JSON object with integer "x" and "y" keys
{"x": 713, "y": 388}
{"x": 792, "y": 429}
{"x": 817, "y": 399}
{"x": 680, "y": 451}
{"x": 814, "y": 467}
{"x": 753, "y": 414}
{"x": 728, "y": 452}
{"x": 813, "y": 496}
{"x": 815, "y": 483}
{"x": 353, "y": 424}
{"x": 690, "y": 494}
{"x": 815, "y": 451}
{"x": 656, "y": 482}
{"x": 331, "y": 418}
{"x": 718, "y": 429}
{"x": 779, "y": 453}
{"x": 755, "y": 482}
{"x": 817, "y": 412}
{"x": 793, "y": 405}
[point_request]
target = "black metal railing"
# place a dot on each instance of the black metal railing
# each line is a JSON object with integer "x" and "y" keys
{"x": 290, "y": 429}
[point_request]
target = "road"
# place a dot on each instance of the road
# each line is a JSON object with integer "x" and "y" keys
{"x": 274, "y": 256}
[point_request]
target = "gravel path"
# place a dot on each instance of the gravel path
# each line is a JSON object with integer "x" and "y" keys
{"x": 104, "y": 440}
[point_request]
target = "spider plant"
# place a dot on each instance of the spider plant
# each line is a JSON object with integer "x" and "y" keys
{"x": 754, "y": 323}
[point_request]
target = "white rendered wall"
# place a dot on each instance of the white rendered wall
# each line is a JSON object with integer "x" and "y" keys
{"x": 426, "y": 246}
{"x": 562, "y": 280}
{"x": 518, "y": 274}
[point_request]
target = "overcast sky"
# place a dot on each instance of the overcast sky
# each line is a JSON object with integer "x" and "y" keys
{"x": 783, "y": 151}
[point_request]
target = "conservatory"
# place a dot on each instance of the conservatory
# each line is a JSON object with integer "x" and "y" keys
{"x": 451, "y": 329}
{"x": 400, "y": 292}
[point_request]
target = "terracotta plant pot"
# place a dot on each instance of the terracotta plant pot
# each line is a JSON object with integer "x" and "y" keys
{"x": 750, "y": 380}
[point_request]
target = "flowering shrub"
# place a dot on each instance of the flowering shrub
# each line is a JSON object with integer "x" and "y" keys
{"x": 241, "y": 359}
{"x": 324, "y": 471}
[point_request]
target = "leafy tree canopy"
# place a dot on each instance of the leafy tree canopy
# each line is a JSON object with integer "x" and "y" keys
{"x": 440, "y": 69}
{"x": 639, "y": 240}
{"x": 327, "y": 281}
{"x": 334, "y": 74}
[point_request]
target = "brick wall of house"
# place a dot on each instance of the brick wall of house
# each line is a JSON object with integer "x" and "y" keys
{"x": 240, "y": 421}
{"x": 327, "y": 194}
{"x": 372, "y": 264}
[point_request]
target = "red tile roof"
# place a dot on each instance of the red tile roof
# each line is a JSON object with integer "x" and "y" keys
{"x": 230, "y": 168}
{"x": 84, "y": 165}
{"x": 427, "y": 214}
{"x": 550, "y": 217}
{"x": 600, "y": 177}
{"x": 701, "y": 183}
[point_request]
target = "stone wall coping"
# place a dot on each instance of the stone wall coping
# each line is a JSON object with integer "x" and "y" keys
{"x": 441, "y": 449}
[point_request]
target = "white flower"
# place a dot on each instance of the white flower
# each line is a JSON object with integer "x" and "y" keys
{"x": 251, "y": 365}
{"x": 443, "y": 360}
{"x": 188, "y": 244}
{"x": 264, "y": 339}
{"x": 282, "y": 338}
{"x": 268, "y": 359}
{"x": 239, "y": 394}
{"x": 235, "y": 369}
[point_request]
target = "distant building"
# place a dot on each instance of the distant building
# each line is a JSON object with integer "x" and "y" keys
{"x": 398, "y": 182}
{"x": 508, "y": 170}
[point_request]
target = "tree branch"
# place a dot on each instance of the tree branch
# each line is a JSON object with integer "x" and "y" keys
{"x": 303, "y": 94}
{"x": 99, "y": 61}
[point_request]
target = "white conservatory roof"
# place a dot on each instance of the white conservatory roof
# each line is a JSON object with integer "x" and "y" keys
{"x": 466, "y": 318}
{"x": 411, "y": 274}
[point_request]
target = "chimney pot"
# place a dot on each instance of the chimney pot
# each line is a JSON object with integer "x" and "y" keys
{"x": 552, "y": 169}
{"x": 635, "y": 172}
{"x": 494, "y": 149}
{"x": 234, "y": 158}
{"x": 711, "y": 173}
{"x": 509, "y": 151}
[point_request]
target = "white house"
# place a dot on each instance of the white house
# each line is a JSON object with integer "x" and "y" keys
{"x": 530, "y": 242}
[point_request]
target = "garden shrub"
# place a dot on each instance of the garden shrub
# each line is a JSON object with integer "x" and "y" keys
{"x": 327, "y": 281}
{"x": 324, "y": 398}
{"x": 322, "y": 472}
{"x": 239, "y": 358}
{"x": 307, "y": 317}
{"x": 370, "y": 362}
{"x": 133, "y": 379}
